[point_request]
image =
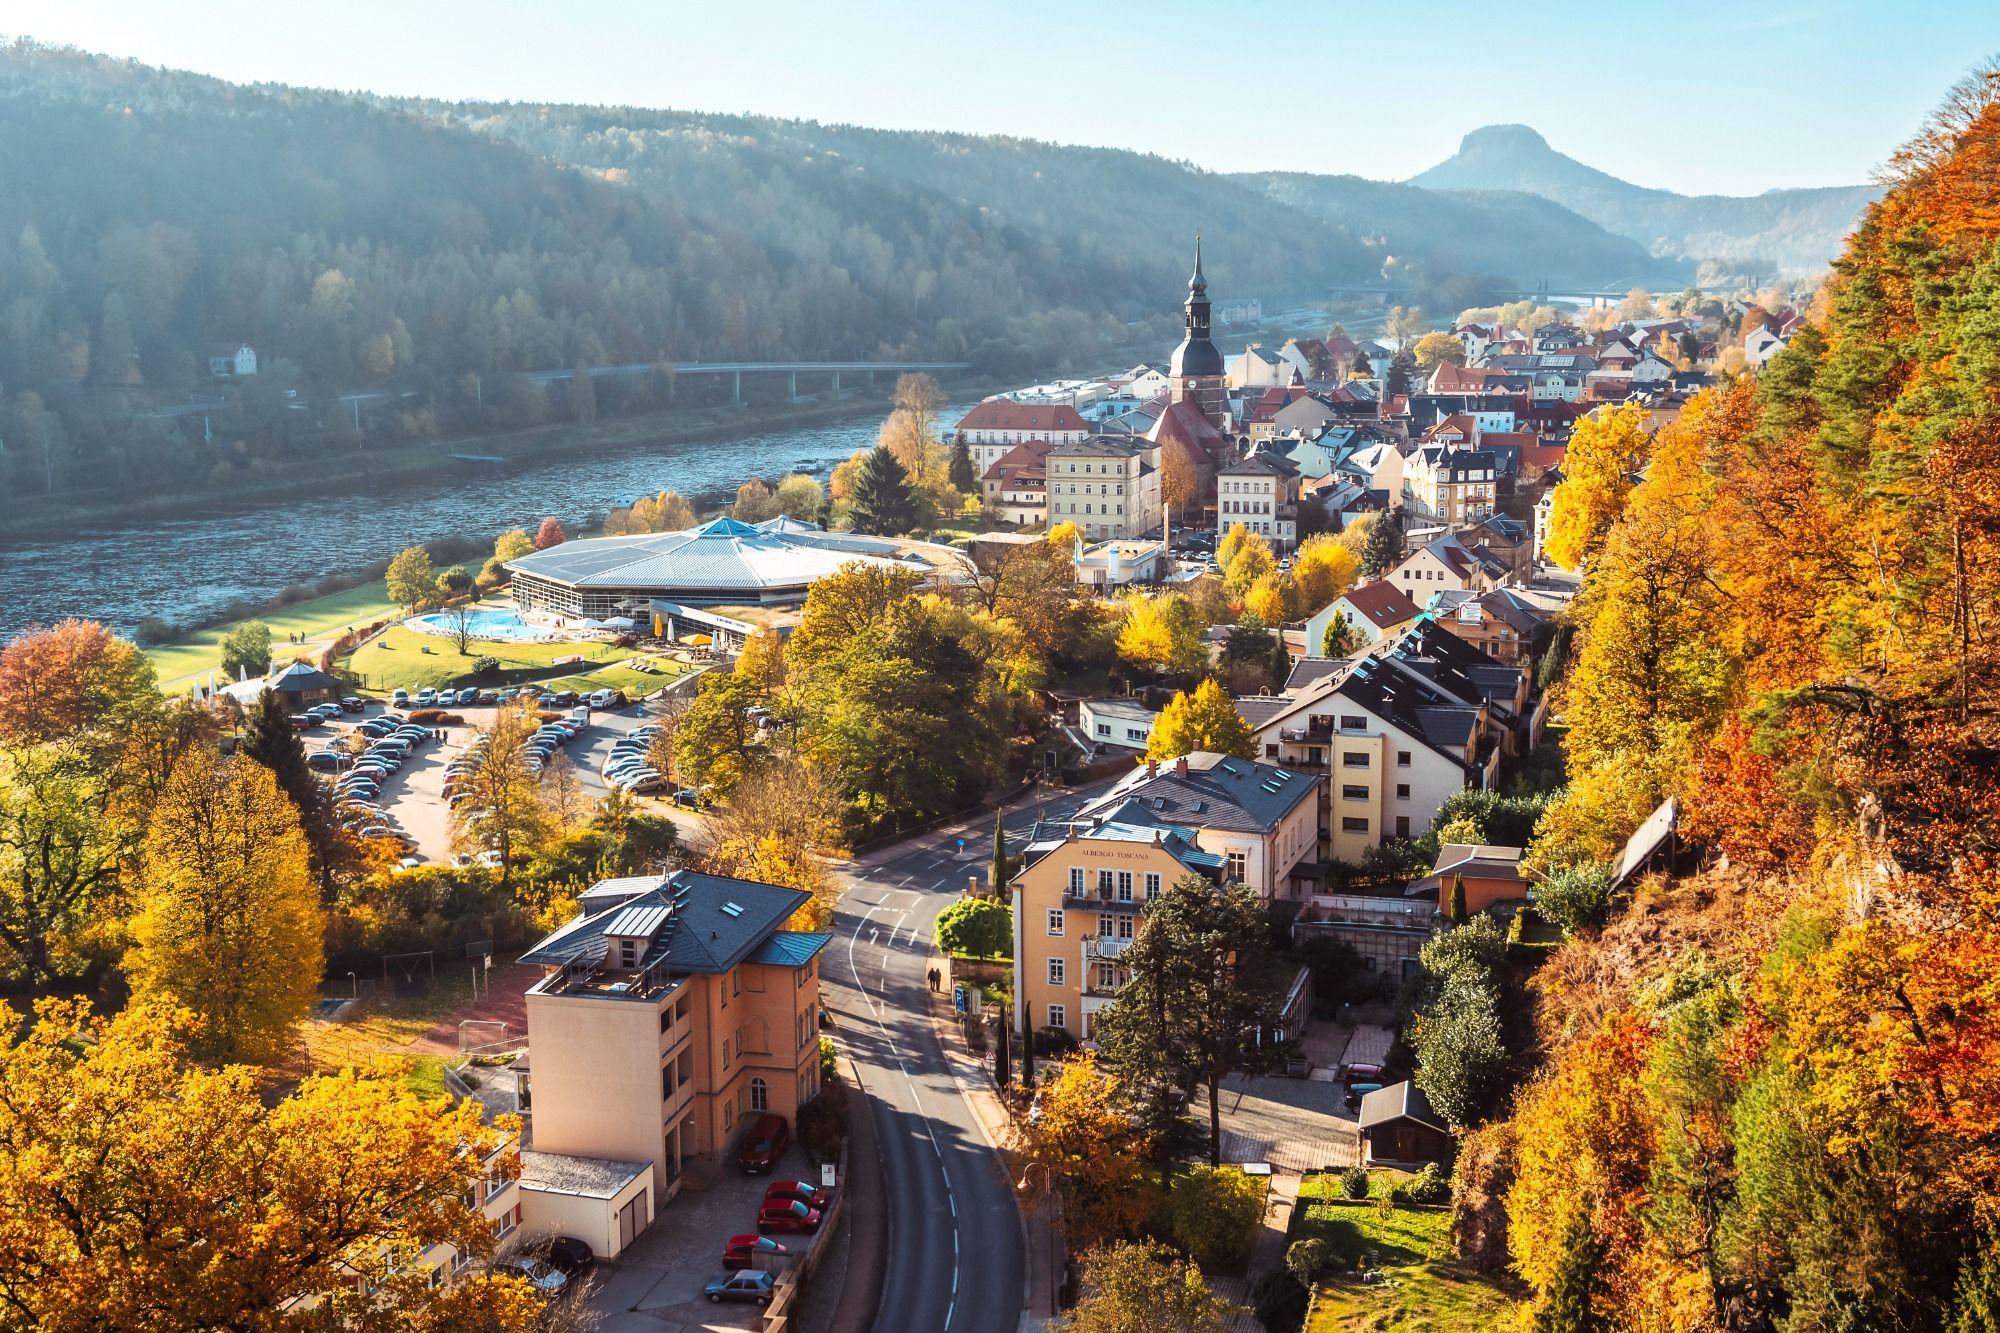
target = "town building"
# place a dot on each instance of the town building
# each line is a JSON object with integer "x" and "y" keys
{"x": 1450, "y": 486}
{"x": 672, "y": 1011}
{"x": 1195, "y": 372}
{"x": 1447, "y": 562}
{"x": 1262, "y": 494}
{"x": 1124, "y": 724}
{"x": 1108, "y": 487}
{"x": 231, "y": 362}
{"x": 1491, "y": 877}
{"x": 1121, "y": 563}
{"x": 1399, "y": 1128}
{"x": 1376, "y": 609}
{"x": 996, "y": 425}
{"x": 1015, "y": 489}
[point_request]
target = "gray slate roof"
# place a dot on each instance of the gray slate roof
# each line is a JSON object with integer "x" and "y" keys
{"x": 1218, "y": 792}
{"x": 700, "y": 932}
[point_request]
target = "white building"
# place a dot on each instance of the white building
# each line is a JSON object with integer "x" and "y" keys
{"x": 1108, "y": 487}
{"x": 1123, "y": 723}
{"x": 236, "y": 362}
{"x": 1262, "y": 494}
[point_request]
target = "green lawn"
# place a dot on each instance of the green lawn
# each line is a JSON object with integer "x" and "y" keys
{"x": 319, "y": 617}
{"x": 621, "y": 677}
{"x": 411, "y": 659}
{"x": 1424, "y": 1287}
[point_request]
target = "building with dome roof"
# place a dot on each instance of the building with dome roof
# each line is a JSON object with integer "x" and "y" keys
{"x": 723, "y": 578}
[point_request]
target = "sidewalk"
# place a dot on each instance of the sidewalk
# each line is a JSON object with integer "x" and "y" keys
{"x": 1267, "y": 1252}
{"x": 850, "y": 1281}
{"x": 1040, "y": 1244}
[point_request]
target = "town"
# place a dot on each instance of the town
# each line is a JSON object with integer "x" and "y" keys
{"x": 1369, "y": 815}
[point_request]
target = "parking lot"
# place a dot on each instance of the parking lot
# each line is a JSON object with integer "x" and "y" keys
{"x": 413, "y": 795}
{"x": 656, "y": 1284}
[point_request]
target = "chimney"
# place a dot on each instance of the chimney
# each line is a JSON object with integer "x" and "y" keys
{"x": 972, "y": 887}
{"x": 1180, "y": 767}
{"x": 1152, "y": 768}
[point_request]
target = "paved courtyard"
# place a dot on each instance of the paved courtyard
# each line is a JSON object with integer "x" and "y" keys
{"x": 1297, "y": 1125}
{"x": 655, "y": 1286}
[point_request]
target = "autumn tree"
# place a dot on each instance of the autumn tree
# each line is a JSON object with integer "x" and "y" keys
{"x": 228, "y": 919}
{"x": 1204, "y": 720}
{"x": 411, "y": 578}
{"x": 798, "y": 496}
{"x": 718, "y": 743}
{"x": 781, "y": 826}
{"x": 1605, "y": 450}
{"x": 1324, "y": 568}
{"x": 1435, "y": 348}
{"x": 754, "y": 502}
{"x": 1146, "y": 1287}
{"x": 503, "y": 813}
{"x": 763, "y": 659}
{"x": 1094, "y": 1154}
{"x": 550, "y": 533}
{"x": 512, "y": 545}
{"x": 976, "y": 927}
{"x": 1182, "y": 476}
{"x": 148, "y": 1190}
{"x": 852, "y": 601}
{"x": 72, "y": 681}
{"x": 1199, "y": 992}
{"x": 271, "y": 740}
{"x": 1403, "y": 326}
{"x": 62, "y": 846}
{"x": 1343, "y": 638}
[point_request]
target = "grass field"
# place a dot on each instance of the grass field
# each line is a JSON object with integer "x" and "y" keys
{"x": 408, "y": 658}
{"x": 316, "y": 618}
{"x": 1423, "y": 1287}
{"x": 386, "y": 1031}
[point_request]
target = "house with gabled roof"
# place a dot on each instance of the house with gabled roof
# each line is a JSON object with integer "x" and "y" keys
{"x": 673, "y": 1010}
{"x": 1376, "y": 609}
{"x": 1446, "y": 562}
{"x": 996, "y": 425}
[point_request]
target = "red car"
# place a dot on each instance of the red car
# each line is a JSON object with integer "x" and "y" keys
{"x": 810, "y": 1195}
{"x": 763, "y": 1144}
{"x": 787, "y": 1215}
{"x": 741, "y": 1249}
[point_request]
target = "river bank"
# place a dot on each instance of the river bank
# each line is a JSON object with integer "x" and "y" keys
{"x": 371, "y": 468}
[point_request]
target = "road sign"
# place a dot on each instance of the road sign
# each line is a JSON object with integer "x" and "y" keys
{"x": 958, "y": 998}
{"x": 961, "y": 844}
{"x": 826, "y": 1171}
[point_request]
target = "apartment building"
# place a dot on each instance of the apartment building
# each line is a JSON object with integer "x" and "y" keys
{"x": 993, "y": 427}
{"x": 1392, "y": 746}
{"x": 1108, "y": 487}
{"x": 1261, "y": 819}
{"x": 1077, "y": 908}
{"x": 1450, "y": 486}
{"x": 672, "y": 1011}
{"x": 1261, "y": 493}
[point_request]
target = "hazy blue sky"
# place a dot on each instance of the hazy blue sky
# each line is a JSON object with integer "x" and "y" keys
{"x": 1691, "y": 95}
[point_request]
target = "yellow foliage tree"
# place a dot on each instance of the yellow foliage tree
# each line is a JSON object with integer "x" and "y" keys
{"x": 1064, "y": 536}
{"x": 1204, "y": 720}
{"x": 1093, "y": 1153}
{"x": 1325, "y": 567}
{"x": 147, "y": 1192}
{"x": 229, "y": 922}
{"x": 1160, "y": 634}
{"x": 1269, "y": 599}
{"x": 763, "y": 659}
{"x": 1251, "y": 560}
{"x": 1604, "y": 451}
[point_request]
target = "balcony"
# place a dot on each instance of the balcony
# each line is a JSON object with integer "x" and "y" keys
{"x": 1316, "y": 731}
{"x": 1105, "y": 947}
{"x": 594, "y": 975}
{"x": 1096, "y": 899}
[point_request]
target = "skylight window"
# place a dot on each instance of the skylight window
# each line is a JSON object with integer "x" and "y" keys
{"x": 732, "y": 909}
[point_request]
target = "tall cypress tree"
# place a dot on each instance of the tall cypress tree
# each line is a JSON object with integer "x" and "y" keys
{"x": 998, "y": 883}
{"x": 271, "y": 741}
{"x": 962, "y": 476}
{"x": 1459, "y": 916}
{"x": 882, "y": 503}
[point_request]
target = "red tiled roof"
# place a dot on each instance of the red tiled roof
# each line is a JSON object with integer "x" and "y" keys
{"x": 1382, "y": 602}
{"x": 1005, "y": 414}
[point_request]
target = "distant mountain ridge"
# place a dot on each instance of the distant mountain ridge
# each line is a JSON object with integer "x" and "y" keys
{"x": 1798, "y": 230}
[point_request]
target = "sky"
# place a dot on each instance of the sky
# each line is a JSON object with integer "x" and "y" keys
{"x": 1692, "y": 96}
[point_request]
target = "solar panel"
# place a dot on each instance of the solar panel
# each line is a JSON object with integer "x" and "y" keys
{"x": 640, "y": 921}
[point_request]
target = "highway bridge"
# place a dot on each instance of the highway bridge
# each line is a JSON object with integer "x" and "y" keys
{"x": 736, "y": 370}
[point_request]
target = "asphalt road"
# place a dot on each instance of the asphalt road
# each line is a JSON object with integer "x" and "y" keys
{"x": 955, "y": 1261}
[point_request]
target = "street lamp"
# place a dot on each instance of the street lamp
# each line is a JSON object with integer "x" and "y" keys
{"x": 355, "y": 982}
{"x": 1049, "y": 1219}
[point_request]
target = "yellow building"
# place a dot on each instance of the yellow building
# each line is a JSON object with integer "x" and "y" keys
{"x": 1077, "y": 905}
{"x": 673, "y": 1012}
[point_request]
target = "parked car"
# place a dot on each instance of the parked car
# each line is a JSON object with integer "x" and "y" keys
{"x": 401, "y": 698}
{"x": 303, "y": 721}
{"x": 380, "y": 726}
{"x": 331, "y": 761}
{"x": 1356, "y": 1091}
{"x": 813, "y": 1196}
{"x": 763, "y": 1144}
{"x": 353, "y": 703}
{"x": 739, "y": 1251}
{"x": 606, "y": 699}
{"x": 572, "y": 1257}
{"x": 789, "y": 1216}
{"x": 644, "y": 782}
{"x": 426, "y": 697}
{"x": 690, "y": 799}
{"x": 468, "y": 695}
{"x": 325, "y": 712}
{"x": 544, "y": 1276}
{"x": 748, "y": 1285}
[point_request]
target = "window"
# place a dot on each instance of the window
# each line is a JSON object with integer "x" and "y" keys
{"x": 1055, "y": 921}
{"x": 1076, "y": 879}
{"x": 1349, "y": 722}
{"x": 628, "y": 954}
{"x": 725, "y": 1052}
{"x": 1353, "y": 791}
{"x": 1056, "y": 972}
{"x": 1104, "y": 925}
{"x": 760, "y": 1095}
{"x": 1058, "y": 1016}
{"x": 1104, "y": 728}
{"x": 666, "y": 1084}
{"x": 1354, "y": 759}
{"x": 1402, "y": 759}
{"x": 1402, "y": 791}
{"x": 1125, "y": 927}
{"x": 666, "y": 1019}
{"x": 1402, "y": 826}
{"x": 728, "y": 1116}
{"x": 1350, "y": 824}
{"x": 1104, "y": 883}
{"x": 1124, "y": 886}
{"x": 1152, "y": 884}
{"x": 1236, "y": 865}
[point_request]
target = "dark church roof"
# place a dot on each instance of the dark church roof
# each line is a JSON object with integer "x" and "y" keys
{"x": 1196, "y": 355}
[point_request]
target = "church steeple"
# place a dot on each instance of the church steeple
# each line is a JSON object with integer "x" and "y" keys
{"x": 1195, "y": 373}
{"x": 1197, "y": 318}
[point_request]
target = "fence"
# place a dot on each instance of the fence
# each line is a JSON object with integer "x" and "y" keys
{"x": 790, "y": 1285}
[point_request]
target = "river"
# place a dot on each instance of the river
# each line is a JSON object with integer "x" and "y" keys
{"x": 187, "y": 569}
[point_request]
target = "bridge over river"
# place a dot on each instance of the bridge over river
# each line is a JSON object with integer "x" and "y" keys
{"x": 736, "y": 370}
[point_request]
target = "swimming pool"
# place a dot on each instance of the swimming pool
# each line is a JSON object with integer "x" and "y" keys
{"x": 492, "y": 623}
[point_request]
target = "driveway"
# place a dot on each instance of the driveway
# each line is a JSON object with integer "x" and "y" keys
{"x": 1295, "y": 1124}
{"x": 656, "y": 1284}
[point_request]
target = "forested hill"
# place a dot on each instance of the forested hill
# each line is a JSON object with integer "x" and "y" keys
{"x": 149, "y": 216}
{"x": 1797, "y": 231}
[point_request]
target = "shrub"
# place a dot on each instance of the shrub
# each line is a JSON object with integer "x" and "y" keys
{"x": 426, "y": 717}
{"x": 1279, "y": 1300}
{"x": 151, "y": 630}
{"x": 823, "y": 1121}
{"x": 1575, "y": 898}
{"x": 1354, "y": 1182}
{"x": 485, "y": 666}
{"x": 1307, "y": 1259}
{"x": 1214, "y": 1213}
{"x": 1430, "y": 1185}
{"x": 981, "y": 927}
